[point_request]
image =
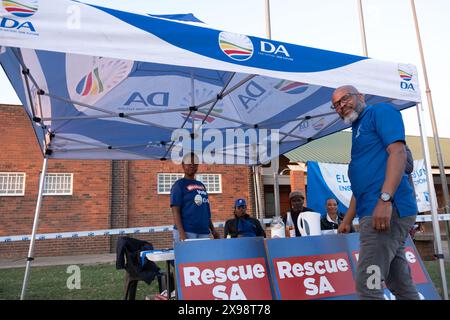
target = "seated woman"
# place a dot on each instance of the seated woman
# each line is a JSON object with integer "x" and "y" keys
{"x": 333, "y": 218}
{"x": 242, "y": 225}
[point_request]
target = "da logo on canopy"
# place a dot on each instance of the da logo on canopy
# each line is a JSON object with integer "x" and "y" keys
{"x": 291, "y": 87}
{"x": 21, "y": 8}
{"x": 236, "y": 46}
{"x": 106, "y": 74}
{"x": 319, "y": 124}
{"x": 406, "y": 75}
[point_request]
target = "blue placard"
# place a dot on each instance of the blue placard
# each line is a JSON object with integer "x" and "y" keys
{"x": 323, "y": 267}
{"x": 224, "y": 269}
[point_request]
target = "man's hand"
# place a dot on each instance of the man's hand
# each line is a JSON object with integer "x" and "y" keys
{"x": 346, "y": 224}
{"x": 215, "y": 234}
{"x": 381, "y": 218}
{"x": 344, "y": 227}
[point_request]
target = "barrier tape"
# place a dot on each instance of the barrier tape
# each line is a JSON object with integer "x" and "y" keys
{"x": 138, "y": 230}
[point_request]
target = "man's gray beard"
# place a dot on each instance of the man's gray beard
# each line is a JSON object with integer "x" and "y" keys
{"x": 353, "y": 116}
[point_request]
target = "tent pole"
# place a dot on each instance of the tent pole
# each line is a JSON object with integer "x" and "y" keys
{"x": 255, "y": 193}
{"x": 276, "y": 185}
{"x": 276, "y": 189}
{"x": 30, "y": 257}
{"x": 433, "y": 202}
{"x": 260, "y": 192}
{"x": 437, "y": 143}
{"x": 262, "y": 207}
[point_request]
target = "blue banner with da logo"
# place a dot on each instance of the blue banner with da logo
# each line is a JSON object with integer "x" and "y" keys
{"x": 328, "y": 180}
{"x": 419, "y": 177}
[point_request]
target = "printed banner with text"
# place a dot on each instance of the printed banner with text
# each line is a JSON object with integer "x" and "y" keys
{"x": 330, "y": 180}
{"x": 224, "y": 269}
{"x": 323, "y": 267}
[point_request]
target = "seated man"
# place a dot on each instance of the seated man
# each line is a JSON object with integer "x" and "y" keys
{"x": 296, "y": 201}
{"x": 242, "y": 225}
{"x": 333, "y": 218}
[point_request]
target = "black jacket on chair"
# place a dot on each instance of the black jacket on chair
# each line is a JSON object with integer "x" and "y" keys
{"x": 127, "y": 258}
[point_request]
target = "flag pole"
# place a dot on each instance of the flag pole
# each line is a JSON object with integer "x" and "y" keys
{"x": 268, "y": 28}
{"x": 275, "y": 162}
{"x": 363, "y": 29}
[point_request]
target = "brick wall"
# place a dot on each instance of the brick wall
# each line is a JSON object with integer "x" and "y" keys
{"x": 147, "y": 207}
{"x": 298, "y": 182}
{"x": 106, "y": 194}
{"x": 119, "y": 198}
{"x": 87, "y": 209}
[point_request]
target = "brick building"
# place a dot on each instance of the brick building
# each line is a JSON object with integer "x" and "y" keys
{"x": 103, "y": 194}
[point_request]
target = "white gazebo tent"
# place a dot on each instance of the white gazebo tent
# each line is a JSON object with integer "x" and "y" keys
{"x": 121, "y": 85}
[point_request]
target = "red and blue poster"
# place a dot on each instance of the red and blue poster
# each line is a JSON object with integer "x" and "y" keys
{"x": 323, "y": 267}
{"x": 223, "y": 269}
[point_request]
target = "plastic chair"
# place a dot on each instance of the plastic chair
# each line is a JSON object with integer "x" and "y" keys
{"x": 128, "y": 257}
{"x": 133, "y": 275}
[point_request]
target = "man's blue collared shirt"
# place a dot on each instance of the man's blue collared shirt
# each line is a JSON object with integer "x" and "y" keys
{"x": 376, "y": 128}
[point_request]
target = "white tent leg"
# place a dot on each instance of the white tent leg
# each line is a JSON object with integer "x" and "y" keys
{"x": 260, "y": 193}
{"x": 30, "y": 257}
{"x": 276, "y": 186}
{"x": 255, "y": 193}
{"x": 433, "y": 201}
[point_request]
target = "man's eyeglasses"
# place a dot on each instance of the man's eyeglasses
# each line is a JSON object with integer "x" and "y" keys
{"x": 344, "y": 99}
{"x": 241, "y": 207}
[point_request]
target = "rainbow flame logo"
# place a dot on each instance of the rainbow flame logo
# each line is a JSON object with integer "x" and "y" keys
{"x": 236, "y": 46}
{"x": 291, "y": 87}
{"x": 91, "y": 84}
{"x": 405, "y": 75}
{"x": 22, "y": 8}
{"x": 104, "y": 75}
{"x": 319, "y": 124}
{"x": 197, "y": 117}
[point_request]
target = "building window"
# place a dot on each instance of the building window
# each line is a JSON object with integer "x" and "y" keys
{"x": 212, "y": 182}
{"x": 58, "y": 184}
{"x": 12, "y": 184}
{"x": 166, "y": 180}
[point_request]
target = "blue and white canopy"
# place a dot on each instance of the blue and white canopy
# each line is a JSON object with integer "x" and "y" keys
{"x": 100, "y": 83}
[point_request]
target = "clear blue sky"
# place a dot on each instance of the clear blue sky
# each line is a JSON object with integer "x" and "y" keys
{"x": 332, "y": 25}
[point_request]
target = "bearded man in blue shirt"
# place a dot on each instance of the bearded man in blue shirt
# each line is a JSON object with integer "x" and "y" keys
{"x": 382, "y": 197}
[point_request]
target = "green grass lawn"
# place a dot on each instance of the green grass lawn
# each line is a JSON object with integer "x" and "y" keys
{"x": 101, "y": 282}
{"x": 435, "y": 274}
{"x": 98, "y": 282}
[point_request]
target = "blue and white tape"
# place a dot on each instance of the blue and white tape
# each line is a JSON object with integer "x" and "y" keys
{"x": 79, "y": 234}
{"x": 137, "y": 230}
{"x": 105, "y": 232}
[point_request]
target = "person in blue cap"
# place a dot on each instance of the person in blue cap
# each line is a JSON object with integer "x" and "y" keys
{"x": 242, "y": 225}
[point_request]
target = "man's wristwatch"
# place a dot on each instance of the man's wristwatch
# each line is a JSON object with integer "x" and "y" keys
{"x": 385, "y": 197}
